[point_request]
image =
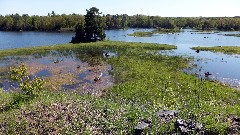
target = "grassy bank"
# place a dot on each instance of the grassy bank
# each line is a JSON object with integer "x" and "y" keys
{"x": 224, "y": 49}
{"x": 145, "y": 83}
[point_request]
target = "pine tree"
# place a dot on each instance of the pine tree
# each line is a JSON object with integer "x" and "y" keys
{"x": 92, "y": 30}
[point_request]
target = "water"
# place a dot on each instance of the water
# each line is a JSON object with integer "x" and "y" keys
{"x": 10, "y": 40}
{"x": 69, "y": 73}
{"x": 223, "y": 67}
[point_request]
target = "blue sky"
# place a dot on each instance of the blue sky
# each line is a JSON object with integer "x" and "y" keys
{"x": 170, "y": 8}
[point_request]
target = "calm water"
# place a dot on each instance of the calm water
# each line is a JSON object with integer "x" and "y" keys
{"x": 10, "y": 40}
{"x": 224, "y": 68}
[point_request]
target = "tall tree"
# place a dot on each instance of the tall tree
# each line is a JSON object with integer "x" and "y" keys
{"x": 94, "y": 25}
{"x": 92, "y": 30}
{"x": 80, "y": 35}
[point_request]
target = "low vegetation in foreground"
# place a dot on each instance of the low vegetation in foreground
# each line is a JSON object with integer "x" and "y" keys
{"x": 151, "y": 95}
{"x": 223, "y": 49}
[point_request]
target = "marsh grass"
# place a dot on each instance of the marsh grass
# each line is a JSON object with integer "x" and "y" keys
{"x": 141, "y": 34}
{"x": 145, "y": 82}
{"x": 223, "y": 49}
{"x": 157, "y": 31}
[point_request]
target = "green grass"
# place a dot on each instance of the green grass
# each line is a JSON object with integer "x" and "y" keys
{"x": 145, "y": 82}
{"x": 223, "y": 49}
{"x": 84, "y": 46}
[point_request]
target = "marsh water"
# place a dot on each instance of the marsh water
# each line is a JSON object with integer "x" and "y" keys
{"x": 68, "y": 70}
{"x": 223, "y": 67}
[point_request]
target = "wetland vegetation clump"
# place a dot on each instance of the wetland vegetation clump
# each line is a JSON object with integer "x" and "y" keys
{"x": 157, "y": 31}
{"x": 223, "y": 49}
{"x": 141, "y": 34}
{"x": 167, "y": 31}
{"x": 150, "y": 95}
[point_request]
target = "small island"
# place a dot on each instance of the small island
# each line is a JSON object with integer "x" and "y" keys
{"x": 156, "y": 31}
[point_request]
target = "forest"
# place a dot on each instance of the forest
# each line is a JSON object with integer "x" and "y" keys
{"x": 63, "y": 22}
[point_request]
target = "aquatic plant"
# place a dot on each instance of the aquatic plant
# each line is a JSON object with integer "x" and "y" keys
{"x": 223, "y": 49}
{"x": 28, "y": 86}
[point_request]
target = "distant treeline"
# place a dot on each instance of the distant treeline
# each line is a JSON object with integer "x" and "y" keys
{"x": 55, "y": 22}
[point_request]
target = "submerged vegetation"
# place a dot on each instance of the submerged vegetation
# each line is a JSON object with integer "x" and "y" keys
{"x": 224, "y": 49}
{"x": 146, "y": 84}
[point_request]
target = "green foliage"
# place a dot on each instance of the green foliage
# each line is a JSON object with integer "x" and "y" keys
{"x": 28, "y": 87}
{"x": 52, "y": 22}
{"x": 56, "y": 22}
{"x": 80, "y": 33}
{"x": 94, "y": 25}
{"x": 18, "y": 73}
{"x": 92, "y": 30}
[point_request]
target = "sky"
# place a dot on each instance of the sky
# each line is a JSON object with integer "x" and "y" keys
{"x": 164, "y": 8}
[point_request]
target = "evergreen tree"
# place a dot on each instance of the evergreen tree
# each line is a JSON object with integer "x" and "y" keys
{"x": 94, "y": 25}
{"x": 92, "y": 30}
{"x": 80, "y": 35}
